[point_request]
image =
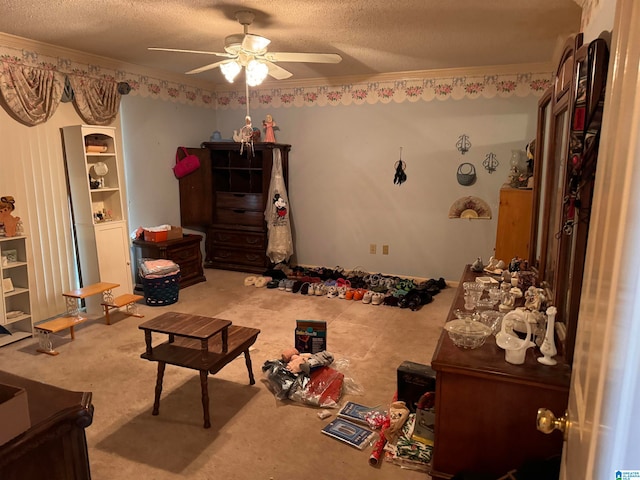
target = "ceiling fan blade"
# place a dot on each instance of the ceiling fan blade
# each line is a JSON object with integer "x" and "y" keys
{"x": 217, "y": 54}
{"x": 254, "y": 43}
{"x": 303, "y": 57}
{"x": 211, "y": 66}
{"x": 278, "y": 72}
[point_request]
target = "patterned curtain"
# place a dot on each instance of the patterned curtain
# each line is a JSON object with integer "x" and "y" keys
{"x": 97, "y": 100}
{"x": 32, "y": 94}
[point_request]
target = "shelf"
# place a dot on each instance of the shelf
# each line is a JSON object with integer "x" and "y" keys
{"x": 105, "y": 189}
{"x": 7, "y": 339}
{"x": 24, "y": 316}
{"x": 16, "y": 291}
{"x": 14, "y": 265}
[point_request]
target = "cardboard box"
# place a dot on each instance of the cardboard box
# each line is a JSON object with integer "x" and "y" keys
{"x": 164, "y": 235}
{"x": 14, "y": 412}
{"x": 311, "y": 336}
{"x": 414, "y": 380}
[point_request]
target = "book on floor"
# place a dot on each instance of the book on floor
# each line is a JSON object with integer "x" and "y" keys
{"x": 348, "y": 432}
{"x": 355, "y": 412}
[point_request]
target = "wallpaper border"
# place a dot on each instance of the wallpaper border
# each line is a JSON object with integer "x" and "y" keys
{"x": 401, "y": 87}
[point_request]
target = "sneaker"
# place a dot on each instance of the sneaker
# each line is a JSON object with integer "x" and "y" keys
{"x": 342, "y": 292}
{"x": 348, "y": 295}
{"x": 282, "y": 284}
{"x": 262, "y": 281}
{"x": 358, "y": 294}
{"x": 367, "y": 297}
{"x": 376, "y": 298}
{"x": 332, "y": 292}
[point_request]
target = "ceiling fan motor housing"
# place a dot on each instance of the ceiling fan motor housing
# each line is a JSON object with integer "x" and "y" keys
{"x": 233, "y": 43}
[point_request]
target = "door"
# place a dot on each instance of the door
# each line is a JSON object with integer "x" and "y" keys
{"x": 114, "y": 262}
{"x": 604, "y": 423}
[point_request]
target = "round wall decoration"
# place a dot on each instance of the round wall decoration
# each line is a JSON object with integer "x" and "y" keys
{"x": 100, "y": 169}
{"x": 471, "y": 208}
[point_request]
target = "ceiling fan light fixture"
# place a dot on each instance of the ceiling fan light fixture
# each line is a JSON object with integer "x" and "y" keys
{"x": 256, "y": 72}
{"x": 230, "y": 70}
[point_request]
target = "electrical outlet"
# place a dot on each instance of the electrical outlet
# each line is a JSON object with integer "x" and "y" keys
{"x": 385, "y": 249}
{"x": 372, "y": 249}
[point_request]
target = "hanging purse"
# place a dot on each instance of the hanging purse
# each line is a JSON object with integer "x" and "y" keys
{"x": 466, "y": 174}
{"x": 186, "y": 165}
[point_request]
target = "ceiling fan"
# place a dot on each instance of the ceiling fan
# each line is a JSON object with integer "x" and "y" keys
{"x": 250, "y": 51}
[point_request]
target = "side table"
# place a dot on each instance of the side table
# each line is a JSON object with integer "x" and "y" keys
{"x": 200, "y": 343}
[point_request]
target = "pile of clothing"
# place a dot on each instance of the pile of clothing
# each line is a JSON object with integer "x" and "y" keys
{"x": 157, "y": 268}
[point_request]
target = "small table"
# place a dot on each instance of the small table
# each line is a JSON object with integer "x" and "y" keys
{"x": 200, "y": 343}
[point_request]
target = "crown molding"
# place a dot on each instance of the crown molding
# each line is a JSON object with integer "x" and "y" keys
{"x": 78, "y": 56}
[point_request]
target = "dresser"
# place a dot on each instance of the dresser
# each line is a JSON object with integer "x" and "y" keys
{"x": 55, "y": 447}
{"x": 486, "y": 408}
{"x": 514, "y": 223}
{"x": 184, "y": 251}
{"x": 227, "y": 197}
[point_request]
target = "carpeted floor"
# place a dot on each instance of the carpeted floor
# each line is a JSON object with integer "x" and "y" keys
{"x": 253, "y": 436}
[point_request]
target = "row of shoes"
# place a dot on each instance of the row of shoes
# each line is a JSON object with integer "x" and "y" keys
{"x": 404, "y": 293}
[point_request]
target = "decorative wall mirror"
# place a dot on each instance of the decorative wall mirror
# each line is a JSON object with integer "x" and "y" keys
{"x": 569, "y": 117}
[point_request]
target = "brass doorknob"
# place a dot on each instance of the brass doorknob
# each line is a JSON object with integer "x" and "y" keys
{"x": 547, "y": 422}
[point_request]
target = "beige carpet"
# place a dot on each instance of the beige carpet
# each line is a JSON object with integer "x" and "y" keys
{"x": 253, "y": 436}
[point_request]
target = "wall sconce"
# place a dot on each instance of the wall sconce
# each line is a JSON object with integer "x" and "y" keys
{"x": 463, "y": 144}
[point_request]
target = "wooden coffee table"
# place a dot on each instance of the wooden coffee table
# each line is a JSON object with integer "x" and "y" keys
{"x": 200, "y": 343}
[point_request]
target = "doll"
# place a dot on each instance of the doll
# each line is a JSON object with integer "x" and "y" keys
{"x": 269, "y": 126}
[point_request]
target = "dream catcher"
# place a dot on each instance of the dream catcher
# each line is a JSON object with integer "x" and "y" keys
{"x": 400, "y": 177}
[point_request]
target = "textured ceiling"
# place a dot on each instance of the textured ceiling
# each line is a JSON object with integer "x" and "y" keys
{"x": 372, "y": 36}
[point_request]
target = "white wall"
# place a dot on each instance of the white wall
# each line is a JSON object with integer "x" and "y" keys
{"x": 152, "y": 130}
{"x": 341, "y": 172}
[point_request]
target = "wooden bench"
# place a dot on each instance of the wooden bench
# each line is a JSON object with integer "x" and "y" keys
{"x": 127, "y": 300}
{"x": 52, "y": 326}
{"x": 73, "y": 318}
{"x": 73, "y": 296}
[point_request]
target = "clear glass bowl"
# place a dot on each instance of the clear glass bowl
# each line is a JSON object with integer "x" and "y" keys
{"x": 465, "y": 333}
{"x": 492, "y": 319}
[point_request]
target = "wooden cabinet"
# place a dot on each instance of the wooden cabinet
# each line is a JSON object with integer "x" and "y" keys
{"x": 486, "y": 408}
{"x": 514, "y": 223}
{"x": 55, "y": 447}
{"x": 97, "y": 190}
{"x": 227, "y": 197}
{"x": 15, "y": 308}
{"x": 184, "y": 251}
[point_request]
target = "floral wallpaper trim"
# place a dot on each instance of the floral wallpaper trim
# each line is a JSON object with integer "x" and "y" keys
{"x": 410, "y": 90}
{"x": 454, "y": 87}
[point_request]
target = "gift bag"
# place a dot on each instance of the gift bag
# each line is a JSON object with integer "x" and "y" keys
{"x": 280, "y": 244}
{"x": 186, "y": 165}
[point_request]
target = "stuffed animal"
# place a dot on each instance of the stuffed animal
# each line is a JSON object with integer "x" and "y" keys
{"x": 304, "y": 362}
{"x": 9, "y": 221}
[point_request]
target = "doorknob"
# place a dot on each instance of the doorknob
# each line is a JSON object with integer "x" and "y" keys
{"x": 547, "y": 422}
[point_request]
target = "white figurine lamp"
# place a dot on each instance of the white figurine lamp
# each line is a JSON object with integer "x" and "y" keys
{"x": 548, "y": 347}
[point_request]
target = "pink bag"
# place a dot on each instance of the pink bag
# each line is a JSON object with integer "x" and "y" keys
{"x": 186, "y": 165}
